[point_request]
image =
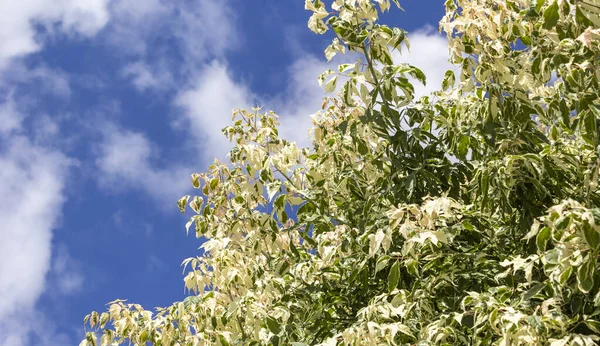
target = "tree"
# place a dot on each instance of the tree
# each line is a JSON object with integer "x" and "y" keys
{"x": 467, "y": 217}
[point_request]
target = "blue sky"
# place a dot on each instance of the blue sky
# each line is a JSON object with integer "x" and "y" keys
{"x": 107, "y": 107}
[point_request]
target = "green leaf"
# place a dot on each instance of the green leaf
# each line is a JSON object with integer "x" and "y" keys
{"x": 223, "y": 341}
{"x": 420, "y": 76}
{"x": 468, "y": 44}
{"x": 412, "y": 266}
{"x": 591, "y": 129}
{"x": 310, "y": 241}
{"x": 382, "y": 262}
{"x": 182, "y": 203}
{"x": 306, "y": 209}
{"x": 404, "y": 329}
{"x": 280, "y": 202}
{"x": 283, "y": 268}
{"x": 483, "y": 188}
{"x": 409, "y": 183}
{"x": 542, "y": 238}
{"x": 539, "y": 4}
{"x": 294, "y": 249}
{"x": 585, "y": 278}
{"x": 537, "y": 288}
{"x": 449, "y": 80}
{"x": 551, "y": 16}
{"x": 91, "y": 338}
{"x": 144, "y": 336}
{"x": 196, "y": 204}
{"x": 535, "y": 66}
{"x": 343, "y": 126}
{"x": 591, "y": 235}
{"x": 463, "y": 146}
{"x": 362, "y": 147}
{"x": 562, "y": 223}
{"x": 394, "y": 277}
{"x": 347, "y": 93}
{"x": 468, "y": 226}
{"x": 565, "y": 275}
{"x": 273, "y": 325}
{"x": 593, "y": 325}
{"x": 581, "y": 19}
{"x": 273, "y": 189}
{"x": 196, "y": 180}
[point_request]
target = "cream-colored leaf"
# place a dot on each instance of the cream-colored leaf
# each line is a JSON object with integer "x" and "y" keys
{"x": 375, "y": 242}
{"x": 330, "y": 86}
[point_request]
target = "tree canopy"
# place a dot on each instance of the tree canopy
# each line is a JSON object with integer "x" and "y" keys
{"x": 470, "y": 216}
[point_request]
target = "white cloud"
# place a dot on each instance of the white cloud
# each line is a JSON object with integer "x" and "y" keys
{"x": 155, "y": 264}
{"x": 66, "y": 274}
{"x": 124, "y": 223}
{"x": 33, "y": 177}
{"x": 207, "y": 107}
{"x": 124, "y": 152}
{"x": 31, "y": 200}
{"x": 19, "y": 37}
{"x": 81, "y": 16}
{"x": 51, "y": 81}
{"x": 185, "y": 36}
{"x": 145, "y": 77}
{"x": 26, "y": 328}
{"x": 184, "y": 45}
{"x": 10, "y": 119}
{"x": 127, "y": 160}
{"x": 134, "y": 22}
{"x": 188, "y": 26}
{"x": 428, "y": 52}
{"x": 206, "y": 29}
{"x": 47, "y": 129}
{"x": 138, "y": 10}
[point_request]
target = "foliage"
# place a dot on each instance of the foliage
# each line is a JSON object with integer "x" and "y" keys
{"x": 467, "y": 217}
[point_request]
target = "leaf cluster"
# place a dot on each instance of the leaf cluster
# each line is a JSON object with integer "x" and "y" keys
{"x": 470, "y": 216}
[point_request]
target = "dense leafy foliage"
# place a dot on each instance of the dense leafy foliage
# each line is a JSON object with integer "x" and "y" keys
{"x": 467, "y": 217}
